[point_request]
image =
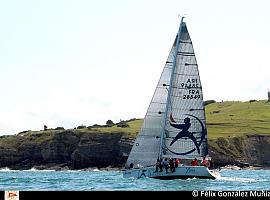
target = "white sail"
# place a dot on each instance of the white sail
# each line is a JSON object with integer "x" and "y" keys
{"x": 177, "y": 98}
{"x": 145, "y": 150}
{"x": 185, "y": 125}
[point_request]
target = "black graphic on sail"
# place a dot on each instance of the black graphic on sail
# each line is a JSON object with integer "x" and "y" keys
{"x": 185, "y": 134}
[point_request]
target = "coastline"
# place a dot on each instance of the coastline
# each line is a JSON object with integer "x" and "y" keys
{"x": 109, "y": 168}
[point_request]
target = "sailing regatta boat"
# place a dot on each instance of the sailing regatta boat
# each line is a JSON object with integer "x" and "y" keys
{"x": 174, "y": 125}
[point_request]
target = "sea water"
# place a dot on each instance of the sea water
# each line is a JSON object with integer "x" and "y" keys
{"x": 36, "y": 180}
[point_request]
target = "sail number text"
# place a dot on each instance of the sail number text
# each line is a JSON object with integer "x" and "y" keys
{"x": 193, "y": 93}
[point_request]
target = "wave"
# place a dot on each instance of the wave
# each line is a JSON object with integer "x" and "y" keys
{"x": 5, "y": 169}
{"x": 39, "y": 170}
{"x": 237, "y": 179}
{"x": 33, "y": 169}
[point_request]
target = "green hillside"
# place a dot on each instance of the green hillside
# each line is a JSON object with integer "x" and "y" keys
{"x": 228, "y": 118}
{"x": 237, "y": 118}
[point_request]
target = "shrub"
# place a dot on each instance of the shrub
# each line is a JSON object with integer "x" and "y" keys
{"x": 123, "y": 124}
{"x": 22, "y": 132}
{"x": 81, "y": 127}
{"x": 109, "y": 123}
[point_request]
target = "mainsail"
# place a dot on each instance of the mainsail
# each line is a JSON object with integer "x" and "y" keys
{"x": 174, "y": 124}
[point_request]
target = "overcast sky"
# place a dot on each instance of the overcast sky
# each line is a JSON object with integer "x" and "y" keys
{"x": 67, "y": 63}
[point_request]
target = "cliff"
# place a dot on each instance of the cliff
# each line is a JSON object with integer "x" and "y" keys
{"x": 74, "y": 149}
{"x": 242, "y": 151}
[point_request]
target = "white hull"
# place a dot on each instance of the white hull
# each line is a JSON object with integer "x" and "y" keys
{"x": 181, "y": 172}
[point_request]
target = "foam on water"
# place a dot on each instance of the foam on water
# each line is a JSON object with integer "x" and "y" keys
{"x": 236, "y": 179}
{"x": 43, "y": 170}
{"x": 6, "y": 169}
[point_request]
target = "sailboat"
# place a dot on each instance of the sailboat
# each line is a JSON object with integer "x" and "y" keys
{"x": 174, "y": 126}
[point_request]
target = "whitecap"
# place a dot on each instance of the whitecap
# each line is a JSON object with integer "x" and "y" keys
{"x": 238, "y": 179}
{"x": 5, "y": 169}
{"x": 39, "y": 170}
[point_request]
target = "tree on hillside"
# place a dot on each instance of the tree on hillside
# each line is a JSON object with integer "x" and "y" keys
{"x": 109, "y": 123}
{"x": 81, "y": 127}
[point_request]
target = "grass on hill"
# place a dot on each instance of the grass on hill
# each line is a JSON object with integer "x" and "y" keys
{"x": 237, "y": 118}
{"x": 224, "y": 119}
{"x": 132, "y": 130}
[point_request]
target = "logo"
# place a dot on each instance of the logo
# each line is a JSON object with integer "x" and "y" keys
{"x": 143, "y": 173}
{"x": 189, "y": 170}
{"x": 186, "y": 134}
{"x": 12, "y": 195}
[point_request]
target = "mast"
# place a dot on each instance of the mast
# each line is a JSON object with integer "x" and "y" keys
{"x": 170, "y": 88}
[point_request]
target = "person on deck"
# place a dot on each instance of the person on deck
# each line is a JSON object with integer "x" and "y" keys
{"x": 172, "y": 164}
{"x": 158, "y": 165}
{"x": 176, "y": 162}
{"x": 204, "y": 162}
{"x": 165, "y": 164}
{"x": 131, "y": 165}
{"x": 211, "y": 164}
{"x": 194, "y": 162}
